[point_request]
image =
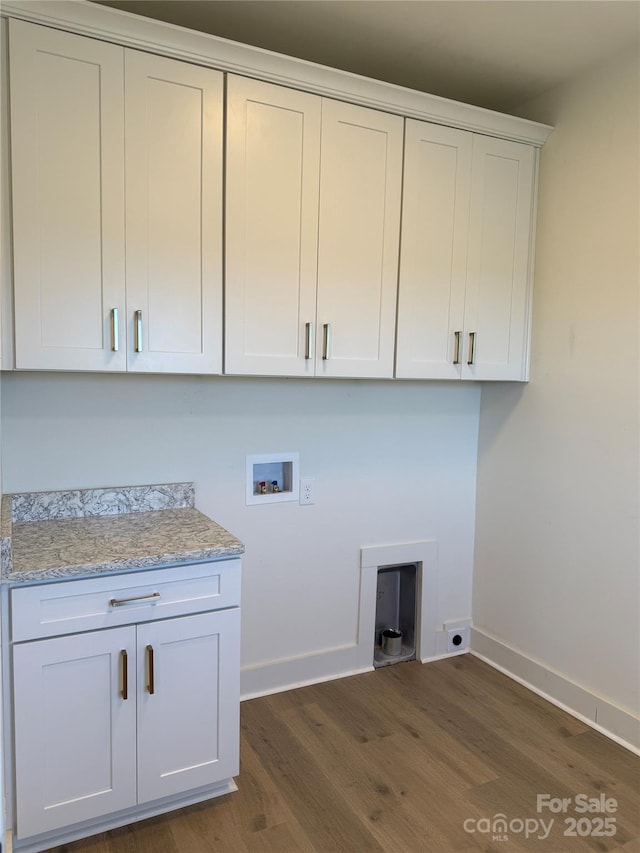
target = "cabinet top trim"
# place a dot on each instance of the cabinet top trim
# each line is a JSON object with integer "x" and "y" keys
{"x": 113, "y": 25}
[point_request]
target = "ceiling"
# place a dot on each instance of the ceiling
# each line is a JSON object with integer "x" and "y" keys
{"x": 493, "y": 53}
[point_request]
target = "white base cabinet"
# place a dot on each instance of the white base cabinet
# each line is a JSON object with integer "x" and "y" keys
{"x": 132, "y": 716}
{"x": 188, "y": 683}
{"x": 75, "y": 733}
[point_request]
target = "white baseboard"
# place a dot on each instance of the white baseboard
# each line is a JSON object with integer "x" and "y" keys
{"x": 287, "y": 674}
{"x": 444, "y": 656}
{"x": 601, "y": 714}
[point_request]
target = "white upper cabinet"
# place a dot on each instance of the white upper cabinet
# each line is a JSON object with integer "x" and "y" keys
{"x": 102, "y": 136}
{"x": 497, "y": 310}
{"x": 465, "y": 277}
{"x": 353, "y": 237}
{"x": 273, "y": 165}
{"x": 312, "y": 231}
{"x": 433, "y": 261}
{"x": 359, "y": 233}
{"x": 67, "y": 125}
{"x": 173, "y": 151}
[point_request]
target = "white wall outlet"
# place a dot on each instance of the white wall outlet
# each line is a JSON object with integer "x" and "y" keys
{"x": 307, "y": 491}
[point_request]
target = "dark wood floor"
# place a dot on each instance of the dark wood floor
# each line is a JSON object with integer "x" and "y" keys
{"x": 396, "y": 761}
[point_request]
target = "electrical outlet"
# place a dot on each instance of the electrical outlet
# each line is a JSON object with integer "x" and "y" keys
{"x": 307, "y": 491}
{"x": 458, "y": 640}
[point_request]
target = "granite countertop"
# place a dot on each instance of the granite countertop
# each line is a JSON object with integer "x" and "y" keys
{"x": 54, "y": 535}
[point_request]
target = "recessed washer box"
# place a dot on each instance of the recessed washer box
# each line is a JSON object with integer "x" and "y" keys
{"x": 267, "y": 467}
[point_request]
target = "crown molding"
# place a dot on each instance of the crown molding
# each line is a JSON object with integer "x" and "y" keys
{"x": 134, "y": 31}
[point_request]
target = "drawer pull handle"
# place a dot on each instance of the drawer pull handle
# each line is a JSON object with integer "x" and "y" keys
{"x": 114, "y": 330}
{"x": 472, "y": 348}
{"x": 151, "y": 686}
{"x": 125, "y": 674}
{"x": 326, "y": 343}
{"x": 308, "y": 341}
{"x": 120, "y": 602}
{"x": 456, "y": 356}
{"x": 138, "y": 331}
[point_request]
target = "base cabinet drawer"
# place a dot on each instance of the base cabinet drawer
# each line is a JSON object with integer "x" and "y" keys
{"x": 107, "y": 601}
{"x": 116, "y": 718}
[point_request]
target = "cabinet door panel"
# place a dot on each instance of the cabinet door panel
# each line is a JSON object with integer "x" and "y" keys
{"x": 75, "y": 735}
{"x": 433, "y": 259}
{"x": 68, "y": 198}
{"x": 498, "y": 276}
{"x": 188, "y": 726}
{"x": 173, "y": 148}
{"x": 273, "y": 159}
{"x": 360, "y": 187}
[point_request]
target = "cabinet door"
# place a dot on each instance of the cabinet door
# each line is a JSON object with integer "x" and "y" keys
{"x": 188, "y": 703}
{"x": 75, "y": 732}
{"x": 498, "y": 274}
{"x": 173, "y": 149}
{"x": 68, "y": 200}
{"x": 273, "y": 163}
{"x": 433, "y": 258}
{"x": 360, "y": 187}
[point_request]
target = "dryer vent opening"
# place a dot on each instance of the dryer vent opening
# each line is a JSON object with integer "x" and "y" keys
{"x": 395, "y": 624}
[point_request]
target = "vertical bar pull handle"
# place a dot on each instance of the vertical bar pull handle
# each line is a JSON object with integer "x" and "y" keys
{"x": 138, "y": 331}
{"x": 151, "y": 687}
{"x": 114, "y": 330}
{"x": 326, "y": 342}
{"x": 472, "y": 347}
{"x": 456, "y": 353}
{"x": 125, "y": 674}
{"x": 308, "y": 341}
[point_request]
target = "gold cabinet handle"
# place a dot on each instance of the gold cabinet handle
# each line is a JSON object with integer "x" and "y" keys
{"x": 456, "y": 353}
{"x": 114, "y": 330}
{"x": 308, "y": 341}
{"x": 151, "y": 687}
{"x": 138, "y": 331}
{"x": 125, "y": 674}
{"x": 472, "y": 347}
{"x": 326, "y": 342}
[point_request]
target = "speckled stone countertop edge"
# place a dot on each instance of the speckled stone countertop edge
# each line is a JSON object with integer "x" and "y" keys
{"x": 157, "y": 561}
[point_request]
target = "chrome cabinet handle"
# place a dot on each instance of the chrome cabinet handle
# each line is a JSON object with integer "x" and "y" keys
{"x": 114, "y": 330}
{"x": 472, "y": 347}
{"x": 326, "y": 342}
{"x": 125, "y": 675}
{"x": 151, "y": 687}
{"x": 456, "y": 354}
{"x": 120, "y": 602}
{"x": 308, "y": 341}
{"x": 138, "y": 331}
